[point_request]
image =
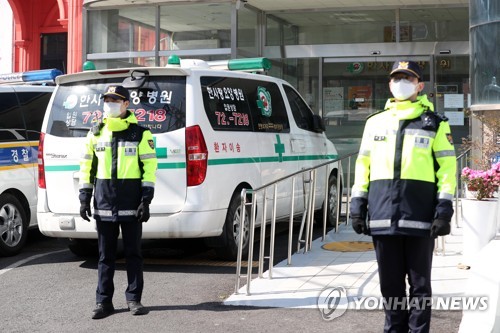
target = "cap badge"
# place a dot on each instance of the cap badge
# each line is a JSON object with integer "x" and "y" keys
{"x": 403, "y": 65}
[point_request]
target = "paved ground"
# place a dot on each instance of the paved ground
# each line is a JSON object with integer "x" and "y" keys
{"x": 299, "y": 285}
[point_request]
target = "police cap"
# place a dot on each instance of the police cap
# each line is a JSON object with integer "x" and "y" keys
{"x": 117, "y": 92}
{"x": 407, "y": 67}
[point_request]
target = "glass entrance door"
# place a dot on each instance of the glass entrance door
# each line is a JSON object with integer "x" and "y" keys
{"x": 352, "y": 90}
{"x": 452, "y": 94}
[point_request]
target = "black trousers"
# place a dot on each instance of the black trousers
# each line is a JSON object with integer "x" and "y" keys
{"x": 399, "y": 257}
{"x": 107, "y": 233}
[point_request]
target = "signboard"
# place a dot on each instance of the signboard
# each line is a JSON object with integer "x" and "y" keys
{"x": 455, "y": 118}
{"x": 453, "y": 101}
{"x": 333, "y": 101}
{"x": 360, "y": 98}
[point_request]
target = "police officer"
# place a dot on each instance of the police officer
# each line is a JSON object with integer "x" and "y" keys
{"x": 404, "y": 183}
{"x": 118, "y": 165}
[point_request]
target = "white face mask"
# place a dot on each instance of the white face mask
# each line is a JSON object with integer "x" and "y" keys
{"x": 403, "y": 89}
{"x": 112, "y": 110}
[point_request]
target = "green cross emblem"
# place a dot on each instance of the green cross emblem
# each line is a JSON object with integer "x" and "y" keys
{"x": 160, "y": 152}
{"x": 279, "y": 148}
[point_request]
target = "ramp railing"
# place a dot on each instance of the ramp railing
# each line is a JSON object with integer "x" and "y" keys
{"x": 249, "y": 198}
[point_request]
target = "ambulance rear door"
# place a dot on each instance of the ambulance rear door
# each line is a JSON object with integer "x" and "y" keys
{"x": 159, "y": 103}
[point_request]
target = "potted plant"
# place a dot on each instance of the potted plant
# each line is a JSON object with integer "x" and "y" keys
{"x": 483, "y": 184}
{"x": 480, "y": 207}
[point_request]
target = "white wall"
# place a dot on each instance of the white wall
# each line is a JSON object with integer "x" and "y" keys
{"x": 5, "y": 37}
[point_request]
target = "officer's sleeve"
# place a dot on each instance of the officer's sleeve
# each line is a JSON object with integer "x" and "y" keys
{"x": 147, "y": 157}
{"x": 359, "y": 198}
{"x": 88, "y": 169}
{"x": 444, "y": 152}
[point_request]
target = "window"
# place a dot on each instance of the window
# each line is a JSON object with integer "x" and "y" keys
{"x": 244, "y": 105}
{"x": 159, "y": 105}
{"x": 33, "y": 106}
{"x": 11, "y": 121}
{"x": 302, "y": 115}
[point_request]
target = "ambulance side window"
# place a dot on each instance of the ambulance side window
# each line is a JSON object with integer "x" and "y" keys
{"x": 268, "y": 108}
{"x": 237, "y": 104}
{"x": 226, "y": 103}
{"x": 11, "y": 122}
{"x": 302, "y": 114}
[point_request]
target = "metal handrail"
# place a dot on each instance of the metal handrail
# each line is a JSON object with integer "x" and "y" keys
{"x": 462, "y": 160}
{"x": 309, "y": 178}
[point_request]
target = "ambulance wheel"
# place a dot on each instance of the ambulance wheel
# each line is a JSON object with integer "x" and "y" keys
{"x": 83, "y": 247}
{"x": 231, "y": 231}
{"x": 13, "y": 225}
{"x": 331, "y": 214}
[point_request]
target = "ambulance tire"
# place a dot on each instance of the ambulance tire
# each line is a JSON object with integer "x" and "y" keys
{"x": 83, "y": 247}
{"x": 230, "y": 232}
{"x": 13, "y": 225}
{"x": 331, "y": 214}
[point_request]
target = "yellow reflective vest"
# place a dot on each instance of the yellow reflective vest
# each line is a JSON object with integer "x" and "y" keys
{"x": 119, "y": 165}
{"x": 405, "y": 173}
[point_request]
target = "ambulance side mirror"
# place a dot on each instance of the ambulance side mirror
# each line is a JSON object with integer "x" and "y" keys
{"x": 318, "y": 124}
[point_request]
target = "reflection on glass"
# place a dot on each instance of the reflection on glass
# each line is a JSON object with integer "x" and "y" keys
{"x": 484, "y": 40}
{"x": 182, "y": 27}
{"x": 195, "y": 26}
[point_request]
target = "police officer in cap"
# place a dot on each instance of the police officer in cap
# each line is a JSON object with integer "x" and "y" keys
{"x": 118, "y": 167}
{"x": 404, "y": 183}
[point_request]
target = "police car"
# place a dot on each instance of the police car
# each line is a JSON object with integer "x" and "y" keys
{"x": 217, "y": 128}
{"x": 23, "y": 101}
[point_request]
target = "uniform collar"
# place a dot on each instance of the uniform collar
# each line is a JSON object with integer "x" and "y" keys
{"x": 120, "y": 124}
{"x": 409, "y": 109}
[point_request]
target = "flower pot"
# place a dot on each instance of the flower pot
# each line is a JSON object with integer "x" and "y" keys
{"x": 479, "y": 220}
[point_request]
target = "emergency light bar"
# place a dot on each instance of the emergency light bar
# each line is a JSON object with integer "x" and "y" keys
{"x": 243, "y": 64}
{"x": 40, "y": 76}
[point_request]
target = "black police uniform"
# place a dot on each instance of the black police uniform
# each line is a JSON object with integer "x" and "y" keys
{"x": 404, "y": 183}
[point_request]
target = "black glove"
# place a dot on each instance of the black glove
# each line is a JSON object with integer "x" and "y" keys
{"x": 143, "y": 212}
{"x": 440, "y": 227}
{"x": 444, "y": 209}
{"x": 85, "y": 212}
{"x": 148, "y": 193}
{"x": 359, "y": 225}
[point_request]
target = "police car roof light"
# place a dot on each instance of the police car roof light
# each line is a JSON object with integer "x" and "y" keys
{"x": 42, "y": 75}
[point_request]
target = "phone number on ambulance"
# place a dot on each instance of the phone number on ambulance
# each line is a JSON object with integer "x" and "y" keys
{"x": 235, "y": 119}
{"x": 142, "y": 115}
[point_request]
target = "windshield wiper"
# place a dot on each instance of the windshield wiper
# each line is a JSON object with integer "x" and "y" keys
{"x": 76, "y": 128}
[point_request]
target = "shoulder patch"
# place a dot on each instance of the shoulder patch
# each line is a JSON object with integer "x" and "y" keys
{"x": 151, "y": 144}
{"x": 96, "y": 129}
{"x": 441, "y": 117}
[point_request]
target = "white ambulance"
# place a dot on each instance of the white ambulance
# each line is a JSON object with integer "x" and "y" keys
{"x": 216, "y": 132}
